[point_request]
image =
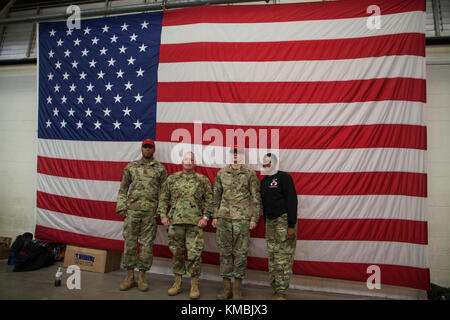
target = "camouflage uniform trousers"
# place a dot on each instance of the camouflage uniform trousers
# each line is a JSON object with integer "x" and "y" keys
{"x": 233, "y": 238}
{"x": 182, "y": 237}
{"x": 139, "y": 227}
{"x": 281, "y": 253}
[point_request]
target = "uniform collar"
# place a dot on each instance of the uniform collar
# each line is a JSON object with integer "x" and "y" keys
{"x": 229, "y": 168}
{"x": 141, "y": 161}
{"x": 187, "y": 174}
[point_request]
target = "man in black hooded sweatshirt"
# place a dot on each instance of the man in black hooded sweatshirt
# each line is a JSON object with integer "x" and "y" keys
{"x": 279, "y": 199}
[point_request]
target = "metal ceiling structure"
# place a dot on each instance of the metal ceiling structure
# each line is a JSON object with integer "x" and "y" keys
{"x": 18, "y": 19}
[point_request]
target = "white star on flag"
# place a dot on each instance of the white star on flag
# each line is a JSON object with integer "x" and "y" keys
{"x": 108, "y": 86}
{"x": 107, "y": 112}
{"x": 122, "y": 49}
{"x": 97, "y": 124}
{"x": 120, "y": 73}
{"x": 138, "y": 97}
{"x": 98, "y": 99}
{"x": 140, "y": 72}
{"x": 117, "y": 98}
{"x": 88, "y": 112}
{"x": 117, "y": 125}
{"x": 142, "y": 48}
{"x": 128, "y": 85}
{"x": 131, "y": 61}
{"x": 89, "y": 87}
{"x": 126, "y": 111}
{"x": 137, "y": 124}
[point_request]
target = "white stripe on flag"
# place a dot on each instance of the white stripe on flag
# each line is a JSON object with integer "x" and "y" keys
{"x": 87, "y": 226}
{"x": 408, "y": 22}
{"x": 90, "y": 150}
{"x": 320, "y": 161}
{"x": 312, "y": 114}
{"x": 326, "y": 160}
{"x": 289, "y": 71}
{"x": 362, "y": 207}
{"x": 78, "y": 188}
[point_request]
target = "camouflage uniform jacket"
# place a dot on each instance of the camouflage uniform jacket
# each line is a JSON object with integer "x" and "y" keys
{"x": 235, "y": 190}
{"x": 140, "y": 185}
{"x": 187, "y": 194}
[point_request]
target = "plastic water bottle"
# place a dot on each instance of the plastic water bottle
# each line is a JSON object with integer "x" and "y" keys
{"x": 58, "y": 277}
{"x": 11, "y": 258}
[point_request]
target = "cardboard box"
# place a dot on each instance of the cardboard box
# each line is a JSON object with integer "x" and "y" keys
{"x": 95, "y": 260}
{"x": 5, "y": 244}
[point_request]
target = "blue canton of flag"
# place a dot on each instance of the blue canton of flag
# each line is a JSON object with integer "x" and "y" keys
{"x": 99, "y": 82}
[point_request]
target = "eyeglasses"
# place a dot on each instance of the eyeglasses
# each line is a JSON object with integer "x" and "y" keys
{"x": 147, "y": 146}
{"x": 267, "y": 165}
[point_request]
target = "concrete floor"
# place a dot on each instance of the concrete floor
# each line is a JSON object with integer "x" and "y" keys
{"x": 39, "y": 285}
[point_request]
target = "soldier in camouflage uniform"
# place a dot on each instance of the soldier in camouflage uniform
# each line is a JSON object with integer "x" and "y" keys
{"x": 188, "y": 193}
{"x": 137, "y": 202}
{"x": 279, "y": 199}
{"x": 236, "y": 190}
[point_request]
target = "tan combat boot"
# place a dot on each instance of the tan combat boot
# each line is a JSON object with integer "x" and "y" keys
{"x": 128, "y": 283}
{"x": 278, "y": 296}
{"x": 176, "y": 288}
{"x": 226, "y": 292}
{"x": 195, "y": 292}
{"x": 237, "y": 289}
{"x": 142, "y": 282}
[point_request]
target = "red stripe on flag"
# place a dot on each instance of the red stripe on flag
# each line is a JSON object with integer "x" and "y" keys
{"x": 286, "y": 12}
{"x": 386, "y": 45}
{"x": 76, "y": 239}
{"x": 103, "y": 210}
{"x": 81, "y": 169}
{"x": 344, "y": 183}
{"x": 334, "y": 183}
{"x": 394, "y": 230}
{"x": 395, "y": 275}
{"x": 312, "y": 137}
{"x": 363, "y": 230}
{"x": 405, "y": 89}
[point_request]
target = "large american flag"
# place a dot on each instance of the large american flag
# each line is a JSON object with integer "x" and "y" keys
{"x": 347, "y": 99}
